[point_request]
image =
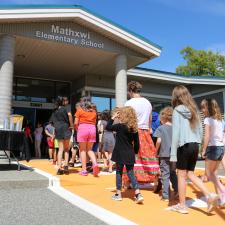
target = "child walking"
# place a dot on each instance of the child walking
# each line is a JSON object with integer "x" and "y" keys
{"x": 163, "y": 146}
{"x": 124, "y": 150}
{"x": 186, "y": 137}
{"x": 213, "y": 147}
{"x": 108, "y": 141}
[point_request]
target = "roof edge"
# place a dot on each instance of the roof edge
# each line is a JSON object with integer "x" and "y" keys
{"x": 41, "y": 6}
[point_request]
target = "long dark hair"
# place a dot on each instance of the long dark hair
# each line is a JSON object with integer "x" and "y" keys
{"x": 59, "y": 102}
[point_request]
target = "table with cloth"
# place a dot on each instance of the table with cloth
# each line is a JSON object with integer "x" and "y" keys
{"x": 15, "y": 142}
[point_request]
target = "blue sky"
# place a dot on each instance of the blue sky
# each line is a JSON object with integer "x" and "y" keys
{"x": 172, "y": 24}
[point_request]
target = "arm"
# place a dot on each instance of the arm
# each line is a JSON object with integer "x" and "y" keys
{"x": 112, "y": 127}
{"x": 150, "y": 123}
{"x": 175, "y": 136}
{"x": 70, "y": 119}
{"x": 157, "y": 145}
{"x": 206, "y": 140}
{"x": 48, "y": 134}
{"x": 136, "y": 142}
{"x": 76, "y": 123}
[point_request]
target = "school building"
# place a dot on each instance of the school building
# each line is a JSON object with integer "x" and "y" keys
{"x": 46, "y": 51}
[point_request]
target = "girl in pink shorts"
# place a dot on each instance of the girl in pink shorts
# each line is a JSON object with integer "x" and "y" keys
{"x": 85, "y": 121}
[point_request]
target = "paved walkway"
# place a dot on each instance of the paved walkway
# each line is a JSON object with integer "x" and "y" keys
{"x": 99, "y": 190}
{"x": 26, "y": 200}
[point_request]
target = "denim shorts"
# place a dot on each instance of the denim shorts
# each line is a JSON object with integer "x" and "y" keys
{"x": 215, "y": 153}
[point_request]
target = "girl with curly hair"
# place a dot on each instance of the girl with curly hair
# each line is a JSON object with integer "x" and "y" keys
{"x": 127, "y": 144}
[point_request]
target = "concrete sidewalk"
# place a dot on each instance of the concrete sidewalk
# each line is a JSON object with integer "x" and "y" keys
{"x": 26, "y": 200}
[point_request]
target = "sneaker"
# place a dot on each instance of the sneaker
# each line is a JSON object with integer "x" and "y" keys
{"x": 179, "y": 208}
{"x": 95, "y": 170}
{"x": 222, "y": 200}
{"x": 66, "y": 170}
{"x": 117, "y": 197}
{"x": 83, "y": 173}
{"x": 165, "y": 199}
{"x": 138, "y": 198}
{"x": 71, "y": 164}
{"x": 212, "y": 201}
{"x": 60, "y": 172}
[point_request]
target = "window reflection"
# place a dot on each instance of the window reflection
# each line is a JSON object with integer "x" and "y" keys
{"x": 36, "y": 90}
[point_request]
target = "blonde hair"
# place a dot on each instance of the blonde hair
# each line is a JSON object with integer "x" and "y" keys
{"x": 128, "y": 117}
{"x": 212, "y": 108}
{"x": 166, "y": 114}
{"x": 181, "y": 96}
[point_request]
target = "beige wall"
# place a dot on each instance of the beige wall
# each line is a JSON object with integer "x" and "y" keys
{"x": 43, "y": 31}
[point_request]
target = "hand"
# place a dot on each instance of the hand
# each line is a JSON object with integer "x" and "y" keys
{"x": 151, "y": 132}
{"x": 203, "y": 154}
{"x": 116, "y": 115}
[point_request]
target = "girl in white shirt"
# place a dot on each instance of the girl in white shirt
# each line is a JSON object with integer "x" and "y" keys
{"x": 213, "y": 147}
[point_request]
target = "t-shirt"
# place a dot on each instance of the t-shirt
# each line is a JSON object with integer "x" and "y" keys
{"x": 155, "y": 121}
{"x": 216, "y": 134}
{"x": 50, "y": 129}
{"x": 143, "y": 110}
{"x": 86, "y": 116}
{"x": 165, "y": 133}
{"x": 68, "y": 108}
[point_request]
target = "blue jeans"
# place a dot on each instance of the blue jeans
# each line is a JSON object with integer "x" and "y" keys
{"x": 130, "y": 174}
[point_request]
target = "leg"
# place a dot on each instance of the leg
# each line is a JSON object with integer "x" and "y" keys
{"x": 165, "y": 174}
{"x": 83, "y": 157}
{"x": 133, "y": 180}
{"x": 39, "y": 149}
{"x": 182, "y": 176}
{"x": 91, "y": 154}
{"x": 211, "y": 172}
{"x": 223, "y": 162}
{"x": 173, "y": 177}
{"x": 60, "y": 153}
{"x": 50, "y": 150}
{"x": 110, "y": 162}
{"x": 105, "y": 156}
{"x": 66, "y": 151}
{"x": 73, "y": 157}
{"x": 130, "y": 172}
{"x": 198, "y": 182}
{"x": 54, "y": 155}
{"x": 119, "y": 173}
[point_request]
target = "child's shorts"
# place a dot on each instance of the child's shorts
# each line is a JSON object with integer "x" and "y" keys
{"x": 50, "y": 142}
{"x": 215, "y": 153}
{"x": 86, "y": 133}
{"x": 56, "y": 143}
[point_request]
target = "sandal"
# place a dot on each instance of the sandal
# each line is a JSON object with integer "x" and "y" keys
{"x": 83, "y": 173}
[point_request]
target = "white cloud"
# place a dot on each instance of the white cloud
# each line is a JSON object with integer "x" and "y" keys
{"x": 219, "y": 47}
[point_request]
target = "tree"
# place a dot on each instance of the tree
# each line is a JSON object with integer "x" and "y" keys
{"x": 201, "y": 62}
